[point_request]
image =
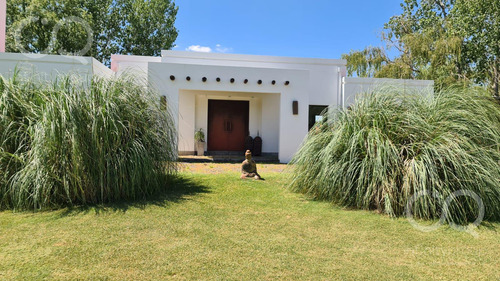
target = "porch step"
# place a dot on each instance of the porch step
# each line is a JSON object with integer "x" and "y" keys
{"x": 229, "y": 158}
{"x": 225, "y": 153}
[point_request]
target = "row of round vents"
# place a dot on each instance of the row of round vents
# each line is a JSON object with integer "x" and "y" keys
{"x": 232, "y": 80}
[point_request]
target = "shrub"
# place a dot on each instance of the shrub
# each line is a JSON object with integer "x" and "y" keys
{"x": 74, "y": 143}
{"x": 390, "y": 146}
{"x": 199, "y": 135}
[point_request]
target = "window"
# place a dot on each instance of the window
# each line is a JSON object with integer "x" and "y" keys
{"x": 315, "y": 114}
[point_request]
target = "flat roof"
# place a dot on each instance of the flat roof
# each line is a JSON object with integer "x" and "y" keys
{"x": 251, "y": 58}
{"x": 134, "y": 58}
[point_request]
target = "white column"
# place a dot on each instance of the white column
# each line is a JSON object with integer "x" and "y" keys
{"x": 340, "y": 98}
{"x": 342, "y": 92}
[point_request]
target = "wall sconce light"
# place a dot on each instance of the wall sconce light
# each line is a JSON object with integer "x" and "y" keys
{"x": 217, "y": 79}
{"x": 287, "y": 83}
{"x": 204, "y": 79}
{"x": 245, "y": 81}
{"x": 163, "y": 102}
{"x": 259, "y": 82}
{"x": 172, "y": 77}
{"x": 273, "y": 82}
{"x": 295, "y": 107}
{"x": 232, "y": 80}
{"x": 188, "y": 78}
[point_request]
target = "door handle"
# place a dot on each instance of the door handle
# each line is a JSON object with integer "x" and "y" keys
{"x": 228, "y": 125}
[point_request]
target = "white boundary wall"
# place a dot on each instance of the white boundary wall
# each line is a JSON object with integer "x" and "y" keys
{"x": 49, "y": 67}
{"x": 353, "y": 86}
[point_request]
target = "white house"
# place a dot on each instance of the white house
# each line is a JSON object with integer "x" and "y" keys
{"x": 229, "y": 96}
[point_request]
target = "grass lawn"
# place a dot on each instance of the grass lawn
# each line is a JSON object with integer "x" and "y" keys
{"x": 216, "y": 226}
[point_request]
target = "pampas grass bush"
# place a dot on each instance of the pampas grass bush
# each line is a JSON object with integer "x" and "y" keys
{"x": 71, "y": 143}
{"x": 390, "y": 146}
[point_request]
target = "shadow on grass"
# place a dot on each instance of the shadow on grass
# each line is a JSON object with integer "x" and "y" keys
{"x": 491, "y": 225}
{"x": 177, "y": 190}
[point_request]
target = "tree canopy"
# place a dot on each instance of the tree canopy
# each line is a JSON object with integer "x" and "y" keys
{"x": 91, "y": 28}
{"x": 449, "y": 41}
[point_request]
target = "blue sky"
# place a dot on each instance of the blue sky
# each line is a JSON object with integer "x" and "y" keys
{"x": 297, "y": 28}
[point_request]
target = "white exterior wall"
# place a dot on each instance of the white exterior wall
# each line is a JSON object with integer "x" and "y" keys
{"x": 312, "y": 82}
{"x": 324, "y": 74}
{"x": 137, "y": 66}
{"x": 49, "y": 67}
{"x": 100, "y": 70}
{"x": 279, "y": 128}
{"x": 354, "y": 86}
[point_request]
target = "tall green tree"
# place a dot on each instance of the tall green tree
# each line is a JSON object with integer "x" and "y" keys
{"x": 449, "y": 41}
{"x": 366, "y": 63}
{"x": 478, "y": 23}
{"x": 90, "y": 27}
{"x": 426, "y": 49}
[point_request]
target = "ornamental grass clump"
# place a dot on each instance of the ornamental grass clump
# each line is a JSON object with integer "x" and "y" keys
{"x": 389, "y": 147}
{"x": 71, "y": 143}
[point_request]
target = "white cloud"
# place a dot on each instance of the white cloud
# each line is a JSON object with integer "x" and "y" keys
{"x": 198, "y": 48}
{"x": 220, "y": 49}
{"x": 205, "y": 49}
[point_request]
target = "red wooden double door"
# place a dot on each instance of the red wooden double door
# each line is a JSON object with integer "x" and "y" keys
{"x": 227, "y": 125}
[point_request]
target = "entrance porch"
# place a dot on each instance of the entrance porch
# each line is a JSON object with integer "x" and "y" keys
{"x": 227, "y": 118}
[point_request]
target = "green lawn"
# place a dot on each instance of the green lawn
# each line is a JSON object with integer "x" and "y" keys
{"x": 221, "y": 227}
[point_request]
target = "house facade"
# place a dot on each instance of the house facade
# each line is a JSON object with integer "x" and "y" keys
{"x": 232, "y": 96}
{"x": 228, "y": 96}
